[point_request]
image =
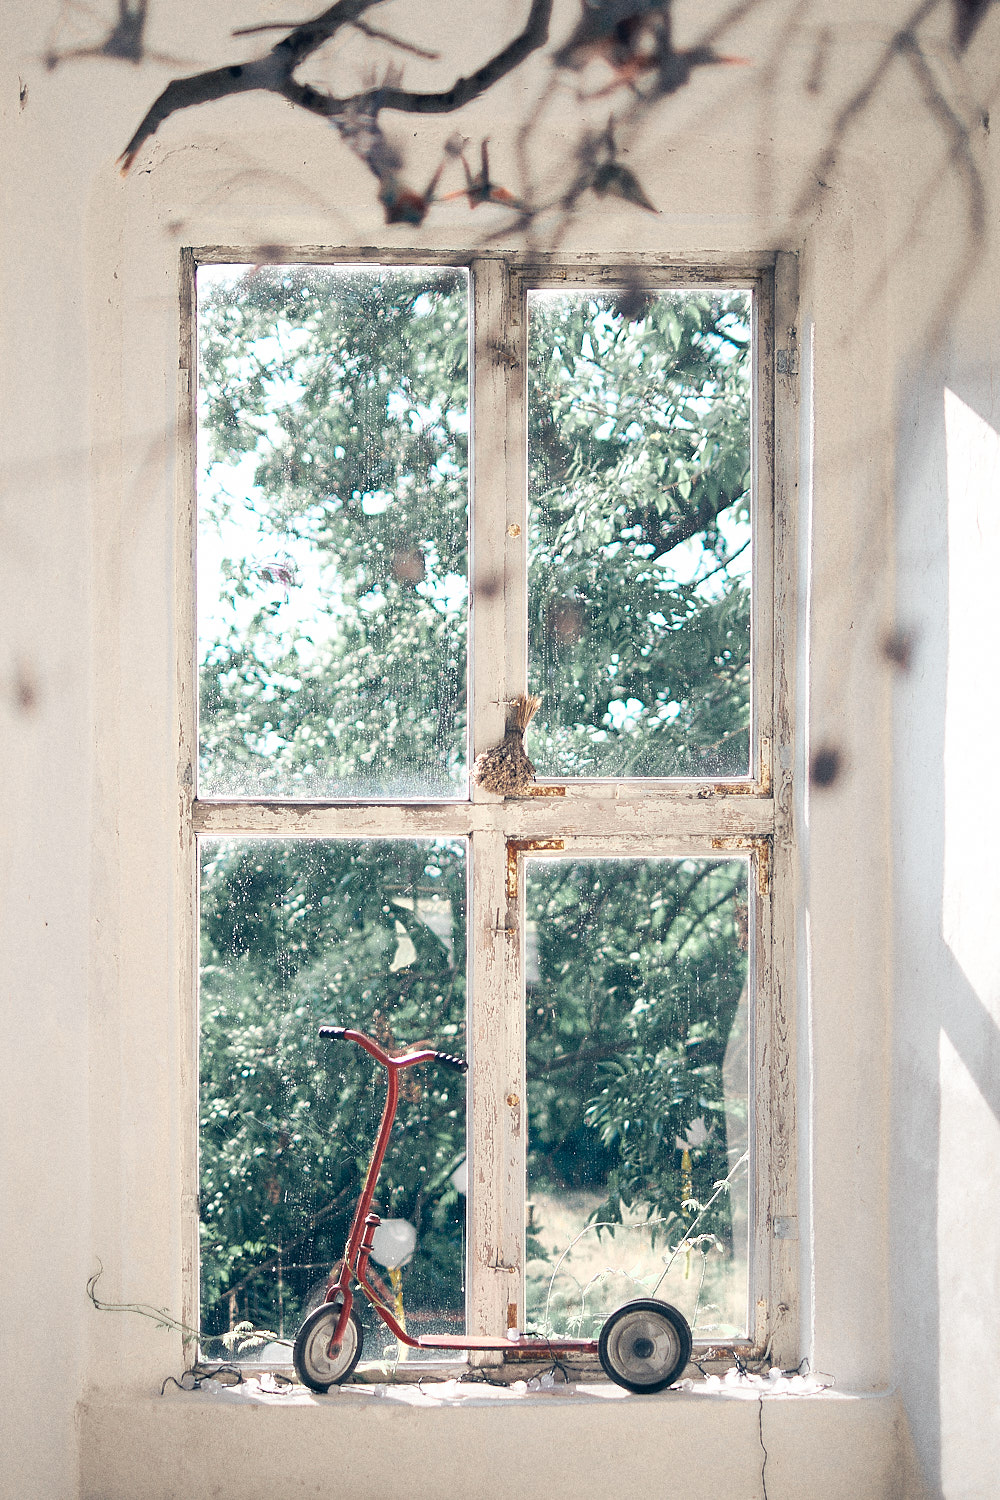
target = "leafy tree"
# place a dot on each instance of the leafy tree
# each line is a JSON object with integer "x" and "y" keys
{"x": 295, "y": 934}
{"x": 338, "y": 663}
{"x": 334, "y": 479}
{"x": 639, "y": 479}
{"x": 631, "y": 1018}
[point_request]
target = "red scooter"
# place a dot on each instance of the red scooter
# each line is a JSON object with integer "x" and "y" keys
{"x": 643, "y": 1346}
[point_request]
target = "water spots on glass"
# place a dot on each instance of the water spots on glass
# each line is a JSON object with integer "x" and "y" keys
{"x": 639, "y": 542}
{"x": 637, "y": 1021}
{"x": 297, "y": 933}
{"x": 333, "y": 530}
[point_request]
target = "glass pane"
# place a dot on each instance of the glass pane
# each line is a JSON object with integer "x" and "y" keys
{"x": 639, "y": 571}
{"x": 638, "y": 1088}
{"x": 294, "y": 934}
{"x": 333, "y": 524}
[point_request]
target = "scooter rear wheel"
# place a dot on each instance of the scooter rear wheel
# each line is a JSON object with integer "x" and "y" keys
{"x": 314, "y": 1367}
{"x": 645, "y": 1345}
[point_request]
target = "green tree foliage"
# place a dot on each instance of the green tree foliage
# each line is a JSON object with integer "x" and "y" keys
{"x": 639, "y": 478}
{"x": 294, "y": 934}
{"x": 634, "y": 1047}
{"x": 335, "y": 479}
{"x": 334, "y": 418}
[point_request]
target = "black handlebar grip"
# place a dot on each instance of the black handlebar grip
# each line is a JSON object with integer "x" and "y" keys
{"x": 332, "y": 1033}
{"x": 450, "y": 1061}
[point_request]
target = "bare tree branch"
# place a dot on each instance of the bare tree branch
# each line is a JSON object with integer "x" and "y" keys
{"x": 373, "y": 31}
{"x": 124, "y": 42}
{"x": 274, "y": 74}
{"x": 961, "y": 154}
{"x": 664, "y": 537}
{"x": 378, "y": 35}
{"x": 584, "y": 1055}
{"x": 968, "y": 14}
{"x": 953, "y": 127}
{"x": 285, "y": 1251}
{"x": 856, "y": 106}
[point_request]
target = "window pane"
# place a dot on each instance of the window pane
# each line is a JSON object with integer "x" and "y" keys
{"x": 638, "y": 1088}
{"x": 639, "y": 584}
{"x": 294, "y": 934}
{"x": 333, "y": 522}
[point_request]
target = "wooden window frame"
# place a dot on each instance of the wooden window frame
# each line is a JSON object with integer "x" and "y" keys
{"x": 680, "y": 817}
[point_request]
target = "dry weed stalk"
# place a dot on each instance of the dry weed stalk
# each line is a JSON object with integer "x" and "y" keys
{"x": 506, "y": 768}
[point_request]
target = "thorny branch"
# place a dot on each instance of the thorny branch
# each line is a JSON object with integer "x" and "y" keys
{"x": 720, "y": 1188}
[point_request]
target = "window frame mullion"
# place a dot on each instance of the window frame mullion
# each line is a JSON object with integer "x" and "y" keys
{"x": 494, "y": 1268}
{"x": 497, "y": 673}
{"x": 492, "y": 561}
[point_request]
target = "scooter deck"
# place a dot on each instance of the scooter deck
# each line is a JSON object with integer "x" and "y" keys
{"x": 530, "y": 1342}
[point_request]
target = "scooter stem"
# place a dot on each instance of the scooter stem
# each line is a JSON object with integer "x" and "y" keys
{"x": 363, "y": 1225}
{"x": 356, "y": 1236}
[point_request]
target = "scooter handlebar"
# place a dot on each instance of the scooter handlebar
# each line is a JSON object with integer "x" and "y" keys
{"x": 451, "y": 1061}
{"x": 338, "y": 1033}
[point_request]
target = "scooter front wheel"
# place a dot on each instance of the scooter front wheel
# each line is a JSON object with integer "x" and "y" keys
{"x": 645, "y": 1345}
{"x": 313, "y": 1365}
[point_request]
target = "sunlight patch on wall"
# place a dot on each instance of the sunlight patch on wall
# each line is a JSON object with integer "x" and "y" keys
{"x": 972, "y": 711}
{"x": 968, "y": 1150}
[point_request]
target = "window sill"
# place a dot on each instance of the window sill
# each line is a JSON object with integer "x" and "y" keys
{"x": 431, "y": 1392}
{"x": 453, "y": 1439}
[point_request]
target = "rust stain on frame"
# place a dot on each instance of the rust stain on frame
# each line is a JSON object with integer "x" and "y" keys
{"x": 745, "y": 788}
{"x": 759, "y": 844}
{"x": 763, "y": 866}
{"x": 516, "y": 847}
{"x": 766, "y": 778}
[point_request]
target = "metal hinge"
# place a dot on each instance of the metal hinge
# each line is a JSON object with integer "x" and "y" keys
{"x": 786, "y": 361}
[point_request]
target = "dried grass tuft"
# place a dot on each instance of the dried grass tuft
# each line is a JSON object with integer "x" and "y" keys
{"x": 506, "y": 768}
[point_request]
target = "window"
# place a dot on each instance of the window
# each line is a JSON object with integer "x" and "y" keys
{"x": 423, "y": 492}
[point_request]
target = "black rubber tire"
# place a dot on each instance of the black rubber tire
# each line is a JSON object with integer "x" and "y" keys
{"x": 645, "y": 1345}
{"x": 309, "y": 1356}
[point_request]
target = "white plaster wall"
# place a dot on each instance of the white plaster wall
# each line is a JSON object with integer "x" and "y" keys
{"x": 945, "y": 1251}
{"x": 45, "y": 681}
{"x": 898, "y": 1002}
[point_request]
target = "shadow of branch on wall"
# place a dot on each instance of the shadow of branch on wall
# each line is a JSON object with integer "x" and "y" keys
{"x": 620, "y": 62}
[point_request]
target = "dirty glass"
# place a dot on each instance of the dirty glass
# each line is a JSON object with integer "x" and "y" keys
{"x": 333, "y": 415}
{"x": 640, "y": 544}
{"x": 296, "y": 933}
{"x": 637, "y": 1091}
